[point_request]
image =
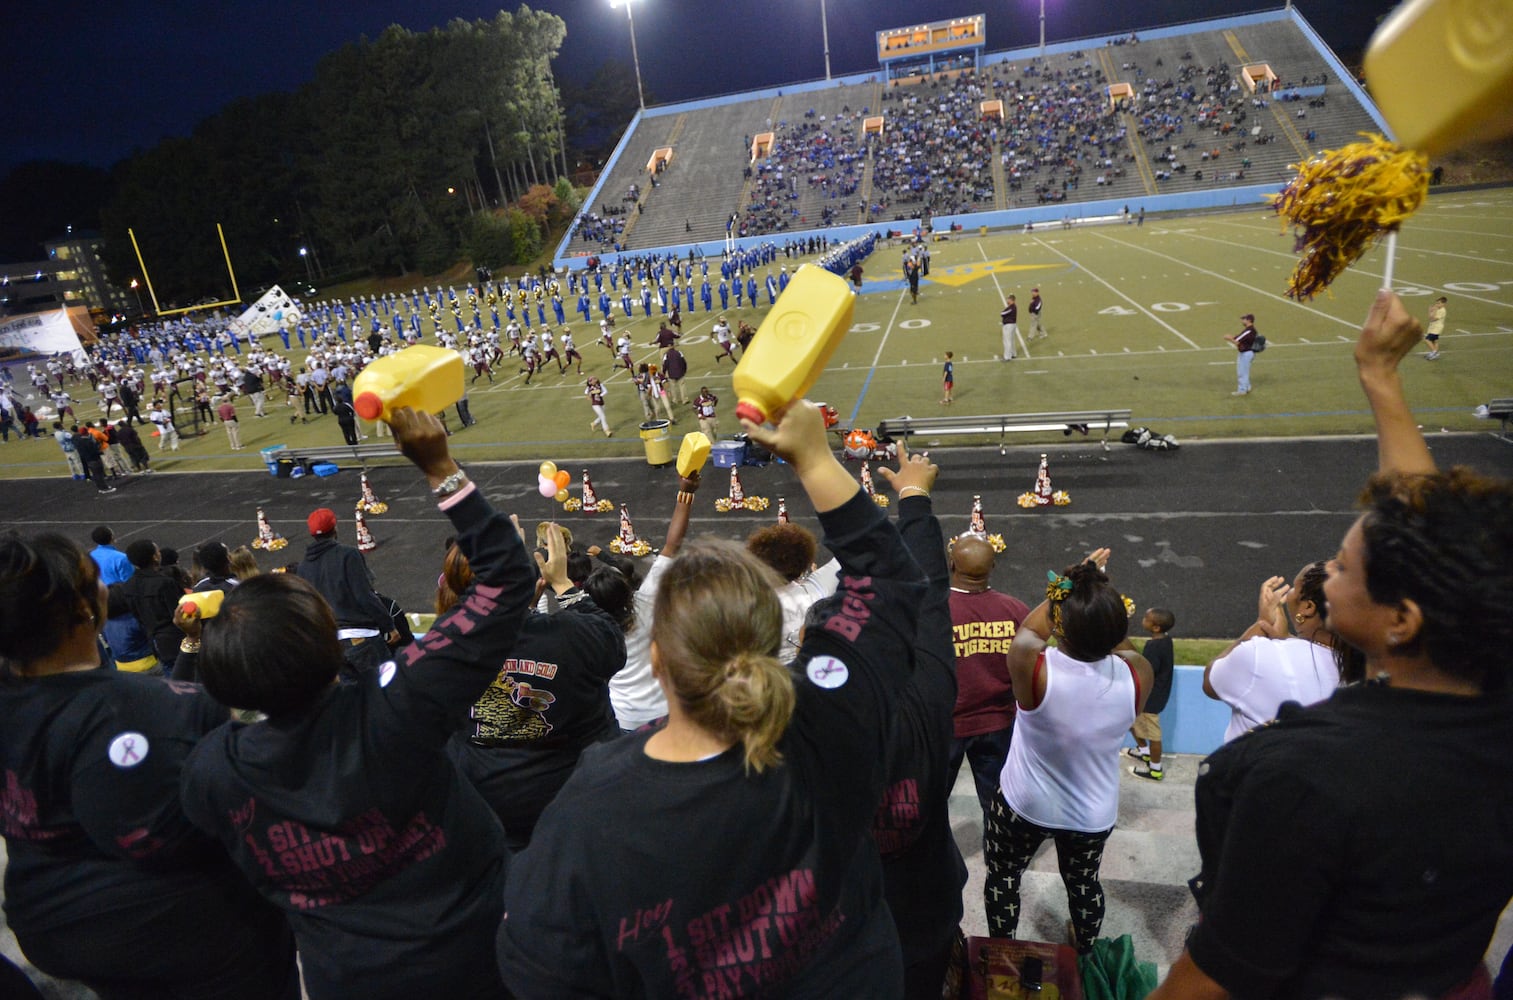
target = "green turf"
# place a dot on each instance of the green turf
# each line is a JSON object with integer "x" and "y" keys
{"x": 1137, "y": 318}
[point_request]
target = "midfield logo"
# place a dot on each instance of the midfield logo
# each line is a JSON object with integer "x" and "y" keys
{"x": 962, "y": 274}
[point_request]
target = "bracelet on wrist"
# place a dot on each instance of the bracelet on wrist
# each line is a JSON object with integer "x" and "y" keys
{"x": 684, "y": 497}
{"x": 904, "y": 491}
{"x": 450, "y": 485}
{"x": 189, "y": 645}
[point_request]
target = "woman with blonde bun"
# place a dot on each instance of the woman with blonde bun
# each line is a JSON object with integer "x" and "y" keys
{"x": 731, "y": 845}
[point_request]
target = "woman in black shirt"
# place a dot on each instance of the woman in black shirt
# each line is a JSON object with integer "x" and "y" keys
{"x": 107, "y": 882}
{"x": 1363, "y": 847}
{"x": 342, "y": 808}
{"x": 729, "y": 849}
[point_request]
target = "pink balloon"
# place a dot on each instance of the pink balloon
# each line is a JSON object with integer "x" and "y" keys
{"x": 546, "y": 487}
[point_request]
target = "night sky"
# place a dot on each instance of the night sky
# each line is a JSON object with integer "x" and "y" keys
{"x": 92, "y": 82}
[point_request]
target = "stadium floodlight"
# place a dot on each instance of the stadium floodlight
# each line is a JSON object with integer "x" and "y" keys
{"x": 825, "y": 33}
{"x": 627, "y": 4}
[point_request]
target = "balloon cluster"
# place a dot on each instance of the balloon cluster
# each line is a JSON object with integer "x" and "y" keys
{"x": 553, "y": 482}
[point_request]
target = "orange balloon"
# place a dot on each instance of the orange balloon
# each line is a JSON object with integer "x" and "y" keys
{"x": 562, "y": 478}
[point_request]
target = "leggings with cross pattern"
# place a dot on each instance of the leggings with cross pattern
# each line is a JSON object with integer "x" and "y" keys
{"x": 1009, "y": 845}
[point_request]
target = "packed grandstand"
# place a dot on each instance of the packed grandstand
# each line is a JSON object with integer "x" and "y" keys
{"x": 1197, "y": 115}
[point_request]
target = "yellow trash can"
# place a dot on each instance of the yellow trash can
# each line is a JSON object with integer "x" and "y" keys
{"x": 657, "y": 441}
{"x": 983, "y": 230}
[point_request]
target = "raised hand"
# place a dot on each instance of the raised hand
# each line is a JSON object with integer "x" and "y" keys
{"x": 1389, "y": 334}
{"x": 915, "y": 472}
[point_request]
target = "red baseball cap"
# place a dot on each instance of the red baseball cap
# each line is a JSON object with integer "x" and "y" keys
{"x": 321, "y": 521}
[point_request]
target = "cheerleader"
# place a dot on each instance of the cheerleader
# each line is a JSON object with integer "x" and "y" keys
{"x": 595, "y": 391}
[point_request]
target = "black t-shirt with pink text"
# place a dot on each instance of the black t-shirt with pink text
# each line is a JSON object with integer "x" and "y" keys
{"x": 923, "y": 871}
{"x": 647, "y": 878}
{"x": 90, "y": 803}
{"x": 350, "y": 817}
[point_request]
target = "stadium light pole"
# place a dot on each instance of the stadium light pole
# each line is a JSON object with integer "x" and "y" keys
{"x": 825, "y": 34}
{"x": 640, "y": 93}
{"x": 1042, "y": 30}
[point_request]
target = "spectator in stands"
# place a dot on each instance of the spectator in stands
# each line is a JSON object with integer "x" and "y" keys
{"x": 923, "y": 871}
{"x": 243, "y": 563}
{"x": 1384, "y": 872}
{"x": 637, "y": 697}
{"x": 789, "y": 549}
{"x": 112, "y": 562}
{"x": 153, "y": 594}
{"x": 391, "y": 867}
{"x": 342, "y": 577}
{"x": 106, "y": 882}
{"x": 1159, "y": 654}
{"x": 1076, "y": 701}
{"x": 762, "y": 783}
{"x": 214, "y": 561}
{"x": 984, "y": 622}
{"x": 550, "y": 699}
{"x": 1288, "y": 654}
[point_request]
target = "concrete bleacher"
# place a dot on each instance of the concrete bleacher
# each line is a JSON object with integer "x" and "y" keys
{"x": 705, "y": 180}
{"x": 702, "y": 184}
{"x": 802, "y": 207}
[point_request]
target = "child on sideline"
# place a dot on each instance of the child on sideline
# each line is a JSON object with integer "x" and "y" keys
{"x": 1436, "y": 327}
{"x": 949, "y": 375}
{"x": 1147, "y": 728}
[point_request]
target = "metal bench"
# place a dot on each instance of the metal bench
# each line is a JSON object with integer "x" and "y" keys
{"x": 1502, "y": 410}
{"x": 349, "y": 455}
{"x": 1003, "y": 424}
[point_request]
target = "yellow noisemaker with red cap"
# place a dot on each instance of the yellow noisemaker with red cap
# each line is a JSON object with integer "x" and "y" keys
{"x": 421, "y": 377}
{"x": 206, "y": 602}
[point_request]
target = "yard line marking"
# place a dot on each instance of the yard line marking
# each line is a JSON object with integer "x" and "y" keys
{"x": 1235, "y": 281}
{"x": 1361, "y": 271}
{"x": 872, "y": 371}
{"x": 1464, "y": 232}
{"x": 1105, "y": 284}
{"x": 1401, "y": 245}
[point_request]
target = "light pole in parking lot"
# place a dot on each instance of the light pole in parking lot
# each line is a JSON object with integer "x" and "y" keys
{"x": 640, "y": 94}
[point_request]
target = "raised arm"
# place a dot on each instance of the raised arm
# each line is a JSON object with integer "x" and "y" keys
{"x": 1389, "y": 334}
{"x": 1271, "y": 622}
{"x": 677, "y": 527}
{"x": 449, "y": 667}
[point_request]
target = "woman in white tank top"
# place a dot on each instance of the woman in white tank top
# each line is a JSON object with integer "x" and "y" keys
{"x": 1061, "y": 780}
{"x": 1268, "y": 665}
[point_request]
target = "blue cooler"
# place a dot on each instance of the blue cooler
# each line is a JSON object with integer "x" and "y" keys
{"x": 728, "y": 454}
{"x": 271, "y": 457}
{"x": 323, "y": 469}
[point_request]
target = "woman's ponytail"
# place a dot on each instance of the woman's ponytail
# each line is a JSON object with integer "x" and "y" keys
{"x": 753, "y": 703}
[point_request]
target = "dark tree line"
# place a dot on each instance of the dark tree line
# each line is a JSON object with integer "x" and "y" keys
{"x": 401, "y": 154}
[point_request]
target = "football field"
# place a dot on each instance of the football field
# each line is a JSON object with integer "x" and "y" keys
{"x": 1136, "y": 315}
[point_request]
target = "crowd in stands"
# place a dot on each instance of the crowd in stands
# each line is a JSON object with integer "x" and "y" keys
{"x": 936, "y": 147}
{"x": 934, "y": 152}
{"x": 585, "y": 781}
{"x": 814, "y": 157}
